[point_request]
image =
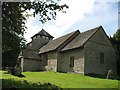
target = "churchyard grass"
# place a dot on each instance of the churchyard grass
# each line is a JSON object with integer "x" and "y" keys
{"x": 63, "y": 80}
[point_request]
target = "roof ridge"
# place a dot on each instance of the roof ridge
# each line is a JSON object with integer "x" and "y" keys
{"x": 67, "y": 34}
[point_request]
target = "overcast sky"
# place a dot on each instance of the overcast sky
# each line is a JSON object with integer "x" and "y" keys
{"x": 82, "y": 15}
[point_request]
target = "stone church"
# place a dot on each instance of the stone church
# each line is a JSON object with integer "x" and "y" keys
{"x": 89, "y": 52}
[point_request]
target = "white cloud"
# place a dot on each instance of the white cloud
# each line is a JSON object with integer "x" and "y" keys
{"x": 53, "y": 30}
{"x": 31, "y": 29}
{"x": 107, "y": 0}
{"x": 107, "y": 17}
{"x": 76, "y": 12}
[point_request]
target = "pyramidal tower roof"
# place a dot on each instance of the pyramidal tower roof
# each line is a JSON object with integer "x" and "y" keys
{"x": 43, "y": 33}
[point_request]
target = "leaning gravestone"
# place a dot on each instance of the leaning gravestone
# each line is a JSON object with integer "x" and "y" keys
{"x": 109, "y": 74}
{"x": 17, "y": 71}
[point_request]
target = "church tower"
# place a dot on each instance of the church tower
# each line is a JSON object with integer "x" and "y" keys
{"x": 40, "y": 39}
{"x": 30, "y": 55}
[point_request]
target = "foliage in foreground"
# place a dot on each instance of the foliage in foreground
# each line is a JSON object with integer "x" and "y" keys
{"x": 115, "y": 40}
{"x": 23, "y": 84}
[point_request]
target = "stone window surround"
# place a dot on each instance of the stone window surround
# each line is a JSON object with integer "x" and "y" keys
{"x": 72, "y": 61}
{"x": 102, "y": 58}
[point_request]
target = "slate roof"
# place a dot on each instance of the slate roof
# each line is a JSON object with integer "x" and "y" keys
{"x": 54, "y": 44}
{"x": 81, "y": 39}
{"x": 78, "y": 41}
{"x": 43, "y": 33}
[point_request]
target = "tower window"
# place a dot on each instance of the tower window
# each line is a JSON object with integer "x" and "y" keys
{"x": 43, "y": 36}
{"x": 38, "y": 36}
{"x": 47, "y": 37}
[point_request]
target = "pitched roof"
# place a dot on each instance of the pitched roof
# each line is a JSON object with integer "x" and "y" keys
{"x": 43, "y": 33}
{"x": 54, "y": 44}
{"x": 80, "y": 39}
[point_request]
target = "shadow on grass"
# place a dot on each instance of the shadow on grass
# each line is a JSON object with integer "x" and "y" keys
{"x": 11, "y": 84}
{"x": 103, "y": 76}
{"x": 21, "y": 75}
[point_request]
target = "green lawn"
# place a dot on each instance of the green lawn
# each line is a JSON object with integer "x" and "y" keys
{"x": 63, "y": 80}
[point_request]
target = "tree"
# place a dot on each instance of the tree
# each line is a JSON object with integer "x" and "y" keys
{"x": 116, "y": 44}
{"x": 116, "y": 36}
{"x": 13, "y": 24}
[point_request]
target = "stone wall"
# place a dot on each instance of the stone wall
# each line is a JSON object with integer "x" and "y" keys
{"x": 31, "y": 59}
{"x": 99, "y": 43}
{"x": 38, "y": 42}
{"x": 64, "y": 61}
{"x": 30, "y": 53}
{"x": 52, "y": 61}
{"x": 31, "y": 65}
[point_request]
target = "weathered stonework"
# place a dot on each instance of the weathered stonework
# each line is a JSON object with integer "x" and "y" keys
{"x": 31, "y": 65}
{"x": 55, "y": 55}
{"x": 52, "y": 61}
{"x": 31, "y": 61}
{"x": 78, "y": 61}
{"x": 99, "y": 43}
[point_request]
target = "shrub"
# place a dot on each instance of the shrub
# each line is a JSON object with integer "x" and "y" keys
{"x": 23, "y": 84}
{"x": 14, "y": 71}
